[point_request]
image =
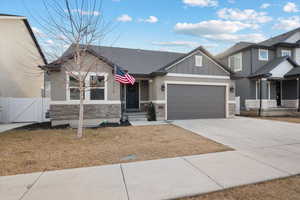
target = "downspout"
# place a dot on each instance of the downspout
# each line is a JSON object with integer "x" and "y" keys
{"x": 260, "y": 97}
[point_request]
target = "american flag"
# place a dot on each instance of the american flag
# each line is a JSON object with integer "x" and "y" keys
{"x": 123, "y": 77}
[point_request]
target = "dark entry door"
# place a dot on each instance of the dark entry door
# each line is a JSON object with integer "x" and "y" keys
{"x": 278, "y": 93}
{"x": 132, "y": 96}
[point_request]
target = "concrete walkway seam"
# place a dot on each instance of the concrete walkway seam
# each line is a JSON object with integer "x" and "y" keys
{"x": 31, "y": 186}
{"x": 124, "y": 181}
{"x": 201, "y": 171}
{"x": 264, "y": 163}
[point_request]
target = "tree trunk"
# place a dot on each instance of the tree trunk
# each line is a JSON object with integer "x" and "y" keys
{"x": 81, "y": 109}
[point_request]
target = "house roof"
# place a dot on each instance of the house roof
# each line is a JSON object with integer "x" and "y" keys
{"x": 294, "y": 72}
{"x": 280, "y": 38}
{"x": 30, "y": 32}
{"x": 235, "y": 48}
{"x": 135, "y": 61}
{"x": 269, "y": 43}
{"x": 265, "y": 70}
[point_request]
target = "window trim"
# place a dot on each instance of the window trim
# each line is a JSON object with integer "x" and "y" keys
{"x": 263, "y": 59}
{"x": 285, "y": 50}
{"x": 234, "y": 68}
{"x": 87, "y": 89}
{"x": 201, "y": 61}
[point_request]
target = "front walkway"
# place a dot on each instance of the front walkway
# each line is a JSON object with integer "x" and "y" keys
{"x": 7, "y": 127}
{"x": 173, "y": 177}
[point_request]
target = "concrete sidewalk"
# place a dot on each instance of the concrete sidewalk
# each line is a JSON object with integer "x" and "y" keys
{"x": 156, "y": 179}
{"x": 7, "y": 127}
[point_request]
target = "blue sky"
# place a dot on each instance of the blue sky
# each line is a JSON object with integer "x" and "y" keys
{"x": 181, "y": 25}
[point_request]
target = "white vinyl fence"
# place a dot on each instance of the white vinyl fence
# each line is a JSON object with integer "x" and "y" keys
{"x": 23, "y": 109}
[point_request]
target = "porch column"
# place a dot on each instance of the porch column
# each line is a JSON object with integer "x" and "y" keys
{"x": 260, "y": 97}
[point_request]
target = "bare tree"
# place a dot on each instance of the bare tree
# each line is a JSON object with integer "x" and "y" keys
{"x": 76, "y": 24}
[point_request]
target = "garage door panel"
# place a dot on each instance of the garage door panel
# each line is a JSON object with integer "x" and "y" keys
{"x": 195, "y": 101}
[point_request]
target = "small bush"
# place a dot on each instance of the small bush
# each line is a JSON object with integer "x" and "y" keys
{"x": 151, "y": 112}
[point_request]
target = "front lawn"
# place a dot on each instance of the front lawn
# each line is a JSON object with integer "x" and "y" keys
{"x": 281, "y": 189}
{"x": 26, "y": 151}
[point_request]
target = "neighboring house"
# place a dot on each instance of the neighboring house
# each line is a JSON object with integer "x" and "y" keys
{"x": 181, "y": 86}
{"x": 20, "y": 76}
{"x": 266, "y": 74}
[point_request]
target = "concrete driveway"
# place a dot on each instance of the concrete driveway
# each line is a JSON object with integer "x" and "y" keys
{"x": 243, "y": 133}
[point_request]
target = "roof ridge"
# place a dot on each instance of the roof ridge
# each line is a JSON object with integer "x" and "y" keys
{"x": 135, "y": 49}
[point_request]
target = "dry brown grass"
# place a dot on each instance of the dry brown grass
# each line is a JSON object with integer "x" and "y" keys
{"x": 283, "y": 119}
{"x": 30, "y": 151}
{"x": 282, "y": 189}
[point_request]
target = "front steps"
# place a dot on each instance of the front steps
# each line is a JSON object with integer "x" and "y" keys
{"x": 136, "y": 116}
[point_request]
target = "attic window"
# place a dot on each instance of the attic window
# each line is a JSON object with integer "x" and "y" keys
{"x": 263, "y": 54}
{"x": 198, "y": 61}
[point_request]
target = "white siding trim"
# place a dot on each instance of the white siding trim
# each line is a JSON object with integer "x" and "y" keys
{"x": 194, "y": 54}
{"x": 226, "y": 85}
{"x": 197, "y": 76}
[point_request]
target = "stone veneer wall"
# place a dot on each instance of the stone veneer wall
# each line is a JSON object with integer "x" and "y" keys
{"x": 231, "y": 109}
{"x": 160, "y": 111}
{"x": 91, "y": 111}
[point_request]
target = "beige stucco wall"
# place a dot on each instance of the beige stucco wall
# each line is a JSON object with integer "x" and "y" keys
{"x": 20, "y": 76}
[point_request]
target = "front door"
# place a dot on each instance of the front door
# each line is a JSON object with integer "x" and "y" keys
{"x": 278, "y": 93}
{"x": 132, "y": 96}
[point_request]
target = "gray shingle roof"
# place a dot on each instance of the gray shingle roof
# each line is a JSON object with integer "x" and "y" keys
{"x": 280, "y": 38}
{"x": 235, "y": 48}
{"x": 267, "y": 68}
{"x": 294, "y": 72}
{"x": 136, "y": 61}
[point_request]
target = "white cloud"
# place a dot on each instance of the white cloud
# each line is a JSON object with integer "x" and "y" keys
{"x": 290, "y": 7}
{"x": 38, "y": 32}
{"x": 211, "y": 27}
{"x": 248, "y": 15}
{"x": 49, "y": 42}
{"x": 150, "y": 19}
{"x": 265, "y": 5}
{"x": 201, "y": 3}
{"x": 288, "y": 23}
{"x": 220, "y": 30}
{"x": 84, "y": 12}
{"x": 124, "y": 18}
{"x": 225, "y": 37}
{"x": 177, "y": 44}
{"x": 231, "y": 1}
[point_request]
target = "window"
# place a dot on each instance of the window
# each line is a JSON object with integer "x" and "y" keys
{"x": 198, "y": 61}
{"x": 286, "y": 53}
{"x": 74, "y": 89}
{"x": 263, "y": 54}
{"x": 235, "y": 62}
{"x": 97, "y": 87}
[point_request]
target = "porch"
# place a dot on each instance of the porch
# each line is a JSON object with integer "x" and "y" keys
{"x": 275, "y": 97}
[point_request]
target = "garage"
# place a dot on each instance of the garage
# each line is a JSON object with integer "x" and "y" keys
{"x": 188, "y": 101}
